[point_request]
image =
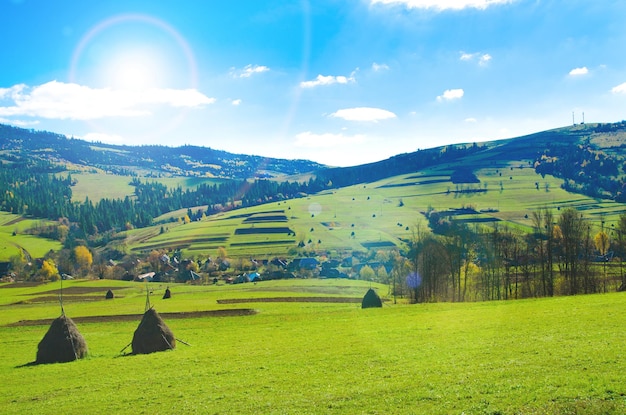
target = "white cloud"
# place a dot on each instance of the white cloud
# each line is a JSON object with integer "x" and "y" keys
{"x": 620, "y": 89}
{"x": 485, "y": 57}
{"x": 579, "y": 71}
{"x": 250, "y": 70}
{"x": 18, "y": 123}
{"x": 322, "y": 80}
{"x": 59, "y": 100}
{"x": 103, "y": 138}
{"x": 451, "y": 95}
{"x": 482, "y": 58}
{"x": 379, "y": 67}
{"x": 236, "y": 102}
{"x": 441, "y": 5}
{"x": 325, "y": 140}
{"x": 471, "y": 120}
{"x": 363, "y": 114}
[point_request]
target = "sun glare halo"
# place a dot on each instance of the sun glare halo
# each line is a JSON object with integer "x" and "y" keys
{"x": 135, "y": 70}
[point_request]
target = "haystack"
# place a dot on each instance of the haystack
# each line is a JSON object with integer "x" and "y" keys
{"x": 109, "y": 295}
{"x": 152, "y": 334}
{"x": 62, "y": 343}
{"x": 167, "y": 294}
{"x": 371, "y": 299}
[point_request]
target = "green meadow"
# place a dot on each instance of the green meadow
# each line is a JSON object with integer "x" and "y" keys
{"x": 97, "y": 186}
{"x": 13, "y": 240}
{"x": 539, "y": 356}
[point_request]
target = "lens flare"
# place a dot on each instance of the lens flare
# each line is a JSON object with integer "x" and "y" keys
{"x": 413, "y": 280}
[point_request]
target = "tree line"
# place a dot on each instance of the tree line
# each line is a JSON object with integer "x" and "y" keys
{"x": 561, "y": 256}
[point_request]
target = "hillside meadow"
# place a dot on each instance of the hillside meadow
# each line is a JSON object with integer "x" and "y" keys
{"x": 536, "y": 356}
{"x": 382, "y": 214}
{"x": 13, "y": 240}
{"x": 101, "y": 185}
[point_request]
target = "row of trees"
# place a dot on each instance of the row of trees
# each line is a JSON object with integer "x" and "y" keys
{"x": 560, "y": 257}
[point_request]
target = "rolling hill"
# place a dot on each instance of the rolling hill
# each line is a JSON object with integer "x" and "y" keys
{"x": 357, "y": 208}
{"x": 18, "y": 145}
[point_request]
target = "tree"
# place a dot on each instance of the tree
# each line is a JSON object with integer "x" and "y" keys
{"x": 621, "y": 243}
{"x": 48, "y": 271}
{"x": 367, "y": 273}
{"x": 602, "y": 243}
{"x": 571, "y": 226}
{"x": 427, "y": 281}
{"x": 18, "y": 264}
{"x": 221, "y": 253}
{"x": 401, "y": 268}
{"x": 382, "y": 275}
{"x": 544, "y": 244}
{"x": 82, "y": 259}
{"x": 155, "y": 259}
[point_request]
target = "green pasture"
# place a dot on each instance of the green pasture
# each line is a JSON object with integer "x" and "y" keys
{"x": 538, "y": 356}
{"x": 97, "y": 186}
{"x": 381, "y": 214}
{"x": 11, "y": 244}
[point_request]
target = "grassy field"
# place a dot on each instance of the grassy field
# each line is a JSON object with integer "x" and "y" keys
{"x": 379, "y": 214}
{"x": 12, "y": 240}
{"x": 547, "y": 356}
{"x": 97, "y": 186}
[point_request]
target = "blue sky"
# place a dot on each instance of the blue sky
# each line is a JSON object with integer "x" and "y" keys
{"x": 340, "y": 82}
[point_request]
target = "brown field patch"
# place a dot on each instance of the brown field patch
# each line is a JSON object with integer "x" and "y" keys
{"x": 21, "y": 284}
{"x": 263, "y": 231}
{"x": 66, "y": 299}
{"x": 82, "y": 290}
{"x": 235, "y": 312}
{"x": 291, "y": 300}
{"x": 14, "y": 221}
{"x": 267, "y": 218}
{"x": 284, "y": 242}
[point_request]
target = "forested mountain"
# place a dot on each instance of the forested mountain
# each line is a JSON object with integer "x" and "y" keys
{"x": 28, "y": 146}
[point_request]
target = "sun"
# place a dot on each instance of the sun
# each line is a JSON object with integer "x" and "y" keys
{"x": 133, "y": 52}
{"x": 135, "y": 70}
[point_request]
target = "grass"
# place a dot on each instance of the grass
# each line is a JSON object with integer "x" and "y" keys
{"x": 97, "y": 186}
{"x": 540, "y": 356}
{"x": 12, "y": 240}
{"x": 386, "y": 212}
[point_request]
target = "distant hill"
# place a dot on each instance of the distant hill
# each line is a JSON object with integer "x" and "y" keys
{"x": 590, "y": 158}
{"x": 28, "y": 146}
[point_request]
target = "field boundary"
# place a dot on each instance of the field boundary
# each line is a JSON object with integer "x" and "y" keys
{"x": 235, "y": 312}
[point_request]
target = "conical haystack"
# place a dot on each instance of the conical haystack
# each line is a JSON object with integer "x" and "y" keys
{"x": 109, "y": 295}
{"x": 371, "y": 299}
{"x": 62, "y": 343}
{"x": 152, "y": 334}
{"x": 167, "y": 294}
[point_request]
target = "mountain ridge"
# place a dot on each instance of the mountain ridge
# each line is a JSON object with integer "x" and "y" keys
{"x": 145, "y": 160}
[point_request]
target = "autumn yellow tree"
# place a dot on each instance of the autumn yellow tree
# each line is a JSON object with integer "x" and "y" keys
{"x": 82, "y": 260}
{"x": 601, "y": 240}
{"x": 602, "y": 243}
{"x": 48, "y": 271}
